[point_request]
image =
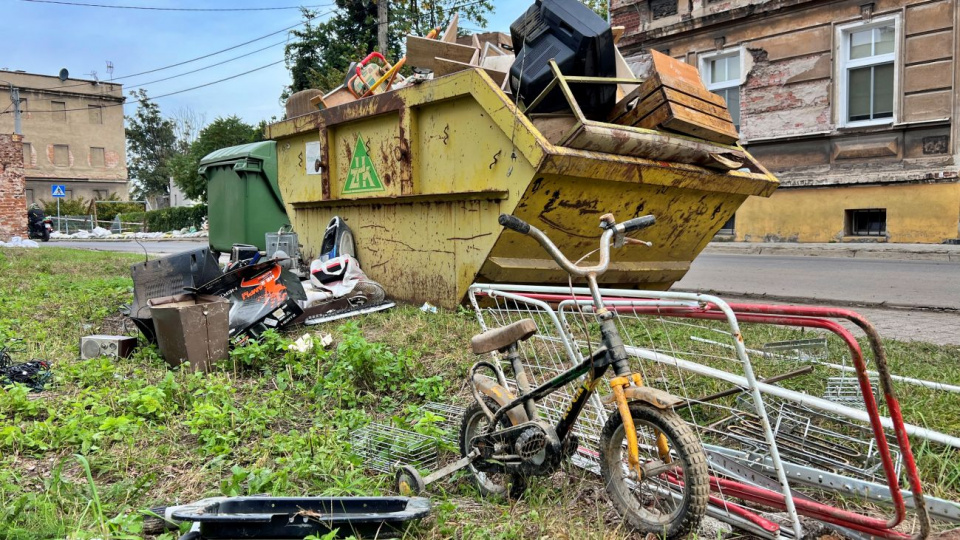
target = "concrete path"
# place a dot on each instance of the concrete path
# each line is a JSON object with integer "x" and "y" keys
{"x": 153, "y": 247}
{"x": 906, "y": 299}
{"x": 908, "y": 252}
{"x": 937, "y": 327}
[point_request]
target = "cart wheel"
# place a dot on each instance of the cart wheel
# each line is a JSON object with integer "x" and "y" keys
{"x": 409, "y": 481}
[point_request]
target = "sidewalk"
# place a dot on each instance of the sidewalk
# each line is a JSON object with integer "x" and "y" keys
{"x": 939, "y": 328}
{"x": 910, "y": 252}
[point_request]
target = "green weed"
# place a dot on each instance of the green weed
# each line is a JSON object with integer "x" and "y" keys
{"x": 277, "y": 421}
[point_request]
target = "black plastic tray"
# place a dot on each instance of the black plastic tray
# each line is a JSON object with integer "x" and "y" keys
{"x": 296, "y": 517}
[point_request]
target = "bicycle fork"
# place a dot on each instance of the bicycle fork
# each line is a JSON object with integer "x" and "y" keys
{"x": 625, "y": 378}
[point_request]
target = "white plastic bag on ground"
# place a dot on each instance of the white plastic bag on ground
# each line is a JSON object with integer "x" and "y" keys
{"x": 19, "y": 242}
{"x": 340, "y": 277}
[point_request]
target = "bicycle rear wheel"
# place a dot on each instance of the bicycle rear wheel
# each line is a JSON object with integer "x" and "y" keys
{"x": 670, "y": 502}
{"x": 491, "y": 484}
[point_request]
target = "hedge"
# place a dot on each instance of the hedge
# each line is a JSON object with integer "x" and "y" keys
{"x": 169, "y": 219}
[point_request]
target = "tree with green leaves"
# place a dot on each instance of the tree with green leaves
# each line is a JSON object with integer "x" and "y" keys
{"x": 319, "y": 53}
{"x": 221, "y": 133}
{"x": 598, "y": 6}
{"x": 151, "y": 144}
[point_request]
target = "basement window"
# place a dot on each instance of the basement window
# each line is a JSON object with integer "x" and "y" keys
{"x": 729, "y": 228}
{"x": 868, "y": 57}
{"x": 868, "y": 222}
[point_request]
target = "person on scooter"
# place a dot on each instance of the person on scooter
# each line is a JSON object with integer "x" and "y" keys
{"x": 34, "y": 215}
{"x": 35, "y": 225}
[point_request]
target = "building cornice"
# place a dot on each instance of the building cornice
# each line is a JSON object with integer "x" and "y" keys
{"x": 66, "y": 93}
{"x": 641, "y": 41}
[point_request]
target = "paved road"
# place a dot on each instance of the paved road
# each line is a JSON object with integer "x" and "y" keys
{"x": 927, "y": 284}
{"x": 151, "y": 247}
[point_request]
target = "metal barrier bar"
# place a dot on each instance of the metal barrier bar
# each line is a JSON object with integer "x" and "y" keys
{"x": 792, "y": 316}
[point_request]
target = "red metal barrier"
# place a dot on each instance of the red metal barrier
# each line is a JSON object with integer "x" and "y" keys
{"x": 816, "y": 317}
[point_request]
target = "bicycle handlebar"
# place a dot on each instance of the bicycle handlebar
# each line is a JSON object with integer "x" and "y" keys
{"x": 516, "y": 224}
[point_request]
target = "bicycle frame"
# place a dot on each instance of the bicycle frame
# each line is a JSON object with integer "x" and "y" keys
{"x": 569, "y": 418}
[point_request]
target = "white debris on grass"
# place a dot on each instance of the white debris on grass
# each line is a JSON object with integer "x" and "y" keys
{"x": 19, "y": 242}
{"x": 305, "y": 343}
{"x": 101, "y": 233}
{"x": 427, "y": 307}
{"x": 302, "y": 345}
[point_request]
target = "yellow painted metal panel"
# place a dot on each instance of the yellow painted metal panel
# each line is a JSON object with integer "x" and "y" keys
{"x": 380, "y": 136}
{"x": 459, "y": 148}
{"x": 292, "y": 166}
{"x": 568, "y": 209}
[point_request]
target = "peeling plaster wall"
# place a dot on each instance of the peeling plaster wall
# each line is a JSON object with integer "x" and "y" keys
{"x": 771, "y": 103}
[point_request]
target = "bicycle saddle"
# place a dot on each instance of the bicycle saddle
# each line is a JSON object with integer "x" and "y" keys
{"x": 503, "y": 337}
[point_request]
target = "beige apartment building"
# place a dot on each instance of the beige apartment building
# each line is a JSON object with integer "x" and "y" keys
{"x": 853, "y": 104}
{"x": 73, "y": 134}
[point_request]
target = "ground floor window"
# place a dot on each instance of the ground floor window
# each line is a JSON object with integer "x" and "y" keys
{"x": 866, "y": 222}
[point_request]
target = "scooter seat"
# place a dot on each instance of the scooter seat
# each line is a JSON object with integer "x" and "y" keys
{"x": 503, "y": 337}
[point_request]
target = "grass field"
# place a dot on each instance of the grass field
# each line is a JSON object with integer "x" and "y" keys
{"x": 111, "y": 438}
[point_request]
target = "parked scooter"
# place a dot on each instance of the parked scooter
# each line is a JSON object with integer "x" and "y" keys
{"x": 38, "y": 225}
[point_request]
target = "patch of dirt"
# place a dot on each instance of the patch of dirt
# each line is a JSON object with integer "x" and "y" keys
{"x": 116, "y": 325}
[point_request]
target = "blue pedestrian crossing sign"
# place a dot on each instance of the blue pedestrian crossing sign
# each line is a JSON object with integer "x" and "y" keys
{"x": 58, "y": 190}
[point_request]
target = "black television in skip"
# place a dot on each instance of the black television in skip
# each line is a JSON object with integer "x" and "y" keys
{"x": 581, "y": 43}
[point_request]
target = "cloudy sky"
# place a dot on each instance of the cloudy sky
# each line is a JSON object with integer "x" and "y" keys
{"x": 43, "y": 37}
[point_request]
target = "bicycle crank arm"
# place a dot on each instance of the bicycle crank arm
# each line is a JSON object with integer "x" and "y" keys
{"x": 452, "y": 468}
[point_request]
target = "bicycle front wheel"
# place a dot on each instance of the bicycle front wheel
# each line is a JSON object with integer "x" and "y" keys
{"x": 671, "y": 501}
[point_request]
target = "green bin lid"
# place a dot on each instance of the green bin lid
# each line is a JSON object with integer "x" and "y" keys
{"x": 264, "y": 151}
{"x": 260, "y": 157}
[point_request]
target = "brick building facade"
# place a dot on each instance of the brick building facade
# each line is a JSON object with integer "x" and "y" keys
{"x": 13, "y": 202}
{"x": 851, "y": 103}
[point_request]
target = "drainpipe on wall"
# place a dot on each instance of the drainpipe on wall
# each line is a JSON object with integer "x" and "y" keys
{"x": 15, "y": 99}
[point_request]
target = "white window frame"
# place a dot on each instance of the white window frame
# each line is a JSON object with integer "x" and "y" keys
{"x": 844, "y": 65}
{"x": 706, "y": 71}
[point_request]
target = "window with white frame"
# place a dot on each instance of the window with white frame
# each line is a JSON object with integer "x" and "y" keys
{"x": 721, "y": 74}
{"x": 868, "y": 58}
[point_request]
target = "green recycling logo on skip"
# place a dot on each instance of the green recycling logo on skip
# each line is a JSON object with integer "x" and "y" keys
{"x": 362, "y": 177}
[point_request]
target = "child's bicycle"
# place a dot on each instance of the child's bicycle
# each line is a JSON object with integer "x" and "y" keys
{"x": 653, "y": 466}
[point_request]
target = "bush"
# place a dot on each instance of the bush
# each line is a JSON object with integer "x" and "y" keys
{"x": 169, "y": 219}
{"x": 106, "y": 212}
{"x": 74, "y": 206}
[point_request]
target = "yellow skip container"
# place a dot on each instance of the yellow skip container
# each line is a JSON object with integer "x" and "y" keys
{"x": 422, "y": 173}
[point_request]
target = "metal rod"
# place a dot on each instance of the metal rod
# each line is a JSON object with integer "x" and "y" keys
{"x": 908, "y": 380}
{"x": 790, "y": 395}
{"x": 733, "y": 391}
{"x": 819, "y": 478}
